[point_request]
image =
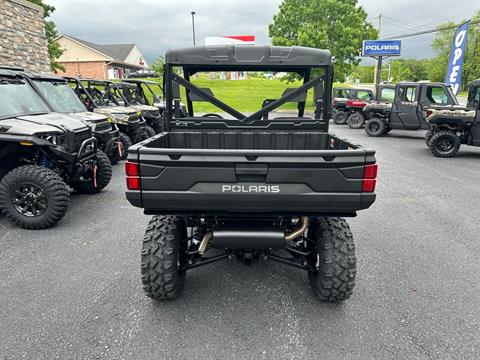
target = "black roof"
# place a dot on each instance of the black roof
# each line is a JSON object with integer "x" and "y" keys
{"x": 8, "y": 73}
{"x": 47, "y": 77}
{"x": 10, "y": 67}
{"x": 141, "y": 81}
{"x": 248, "y": 57}
{"x": 421, "y": 83}
{"x": 475, "y": 82}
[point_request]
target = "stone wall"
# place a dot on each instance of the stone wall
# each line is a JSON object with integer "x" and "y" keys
{"x": 22, "y": 36}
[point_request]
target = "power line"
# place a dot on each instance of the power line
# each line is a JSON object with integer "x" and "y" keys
{"x": 403, "y": 23}
{"x": 428, "y": 31}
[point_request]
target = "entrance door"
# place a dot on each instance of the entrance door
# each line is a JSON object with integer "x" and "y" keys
{"x": 405, "y": 114}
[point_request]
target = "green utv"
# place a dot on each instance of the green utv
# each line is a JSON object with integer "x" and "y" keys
{"x": 60, "y": 98}
{"x": 41, "y": 155}
{"x": 97, "y": 97}
{"x": 126, "y": 95}
{"x": 455, "y": 125}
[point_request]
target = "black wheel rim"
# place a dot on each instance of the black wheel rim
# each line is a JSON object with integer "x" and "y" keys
{"x": 374, "y": 127}
{"x": 355, "y": 120}
{"x": 29, "y": 199}
{"x": 445, "y": 145}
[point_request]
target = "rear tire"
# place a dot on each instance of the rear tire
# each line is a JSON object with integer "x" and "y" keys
{"x": 375, "y": 127}
{"x": 340, "y": 117}
{"x": 48, "y": 188}
{"x": 151, "y": 131}
{"x": 334, "y": 257}
{"x": 444, "y": 143}
{"x": 356, "y": 120}
{"x": 163, "y": 261}
{"x": 141, "y": 134}
{"x": 104, "y": 175}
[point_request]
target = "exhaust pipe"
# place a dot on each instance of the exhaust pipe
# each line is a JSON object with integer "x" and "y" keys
{"x": 261, "y": 238}
{"x": 298, "y": 232}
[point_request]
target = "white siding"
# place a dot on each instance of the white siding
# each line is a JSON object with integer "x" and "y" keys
{"x": 135, "y": 57}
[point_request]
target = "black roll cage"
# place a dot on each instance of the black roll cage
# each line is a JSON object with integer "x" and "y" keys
{"x": 138, "y": 83}
{"x": 172, "y": 80}
{"x": 79, "y": 87}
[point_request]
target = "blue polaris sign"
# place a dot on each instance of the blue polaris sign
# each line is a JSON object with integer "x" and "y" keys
{"x": 381, "y": 47}
{"x": 457, "y": 54}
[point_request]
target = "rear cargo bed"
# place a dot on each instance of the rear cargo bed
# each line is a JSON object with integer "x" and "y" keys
{"x": 221, "y": 172}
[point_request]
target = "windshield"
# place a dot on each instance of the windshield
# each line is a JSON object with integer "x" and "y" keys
{"x": 18, "y": 98}
{"x": 60, "y": 96}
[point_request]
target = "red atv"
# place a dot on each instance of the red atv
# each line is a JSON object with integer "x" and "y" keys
{"x": 349, "y": 109}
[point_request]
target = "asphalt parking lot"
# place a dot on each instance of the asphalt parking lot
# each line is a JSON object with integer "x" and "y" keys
{"x": 74, "y": 291}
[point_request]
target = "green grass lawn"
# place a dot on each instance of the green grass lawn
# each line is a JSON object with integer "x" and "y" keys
{"x": 244, "y": 95}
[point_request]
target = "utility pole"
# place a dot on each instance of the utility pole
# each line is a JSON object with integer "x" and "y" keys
{"x": 193, "y": 26}
{"x": 378, "y": 67}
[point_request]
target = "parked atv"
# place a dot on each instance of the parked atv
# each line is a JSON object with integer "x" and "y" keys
{"x": 349, "y": 110}
{"x": 60, "y": 98}
{"x": 96, "y": 98}
{"x": 456, "y": 125}
{"x": 41, "y": 155}
{"x": 126, "y": 95}
{"x": 408, "y": 110}
{"x": 147, "y": 95}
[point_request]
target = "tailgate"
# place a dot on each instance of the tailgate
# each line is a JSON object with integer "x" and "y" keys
{"x": 219, "y": 181}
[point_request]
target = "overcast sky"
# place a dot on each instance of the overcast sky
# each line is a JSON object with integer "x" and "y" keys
{"x": 158, "y": 25}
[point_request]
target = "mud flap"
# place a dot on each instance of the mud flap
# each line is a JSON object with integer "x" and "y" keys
{"x": 95, "y": 175}
{"x": 120, "y": 148}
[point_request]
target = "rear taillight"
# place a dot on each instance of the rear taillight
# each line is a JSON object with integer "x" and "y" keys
{"x": 369, "y": 178}
{"x": 132, "y": 170}
{"x": 429, "y": 112}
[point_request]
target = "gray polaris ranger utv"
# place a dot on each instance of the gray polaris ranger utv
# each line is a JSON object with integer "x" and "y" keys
{"x": 95, "y": 96}
{"x": 41, "y": 155}
{"x": 61, "y": 98}
{"x": 455, "y": 125}
{"x": 249, "y": 186}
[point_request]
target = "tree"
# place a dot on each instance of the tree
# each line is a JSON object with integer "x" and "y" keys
{"x": 337, "y": 25}
{"x": 364, "y": 73}
{"x": 158, "y": 66}
{"x": 54, "y": 49}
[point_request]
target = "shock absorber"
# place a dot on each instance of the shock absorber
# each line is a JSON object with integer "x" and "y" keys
{"x": 198, "y": 233}
{"x": 43, "y": 160}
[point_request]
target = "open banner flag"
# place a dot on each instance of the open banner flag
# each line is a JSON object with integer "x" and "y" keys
{"x": 457, "y": 54}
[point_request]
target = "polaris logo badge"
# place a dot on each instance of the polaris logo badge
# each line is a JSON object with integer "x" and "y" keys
{"x": 250, "y": 188}
{"x": 383, "y": 47}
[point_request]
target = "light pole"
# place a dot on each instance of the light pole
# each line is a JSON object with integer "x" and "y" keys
{"x": 193, "y": 26}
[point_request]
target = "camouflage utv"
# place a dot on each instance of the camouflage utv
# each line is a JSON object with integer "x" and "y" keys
{"x": 455, "y": 125}
{"x": 60, "y": 98}
{"x": 96, "y": 96}
{"x": 126, "y": 94}
{"x": 41, "y": 155}
{"x": 146, "y": 94}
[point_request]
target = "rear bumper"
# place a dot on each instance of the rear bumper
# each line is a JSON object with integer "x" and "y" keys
{"x": 325, "y": 204}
